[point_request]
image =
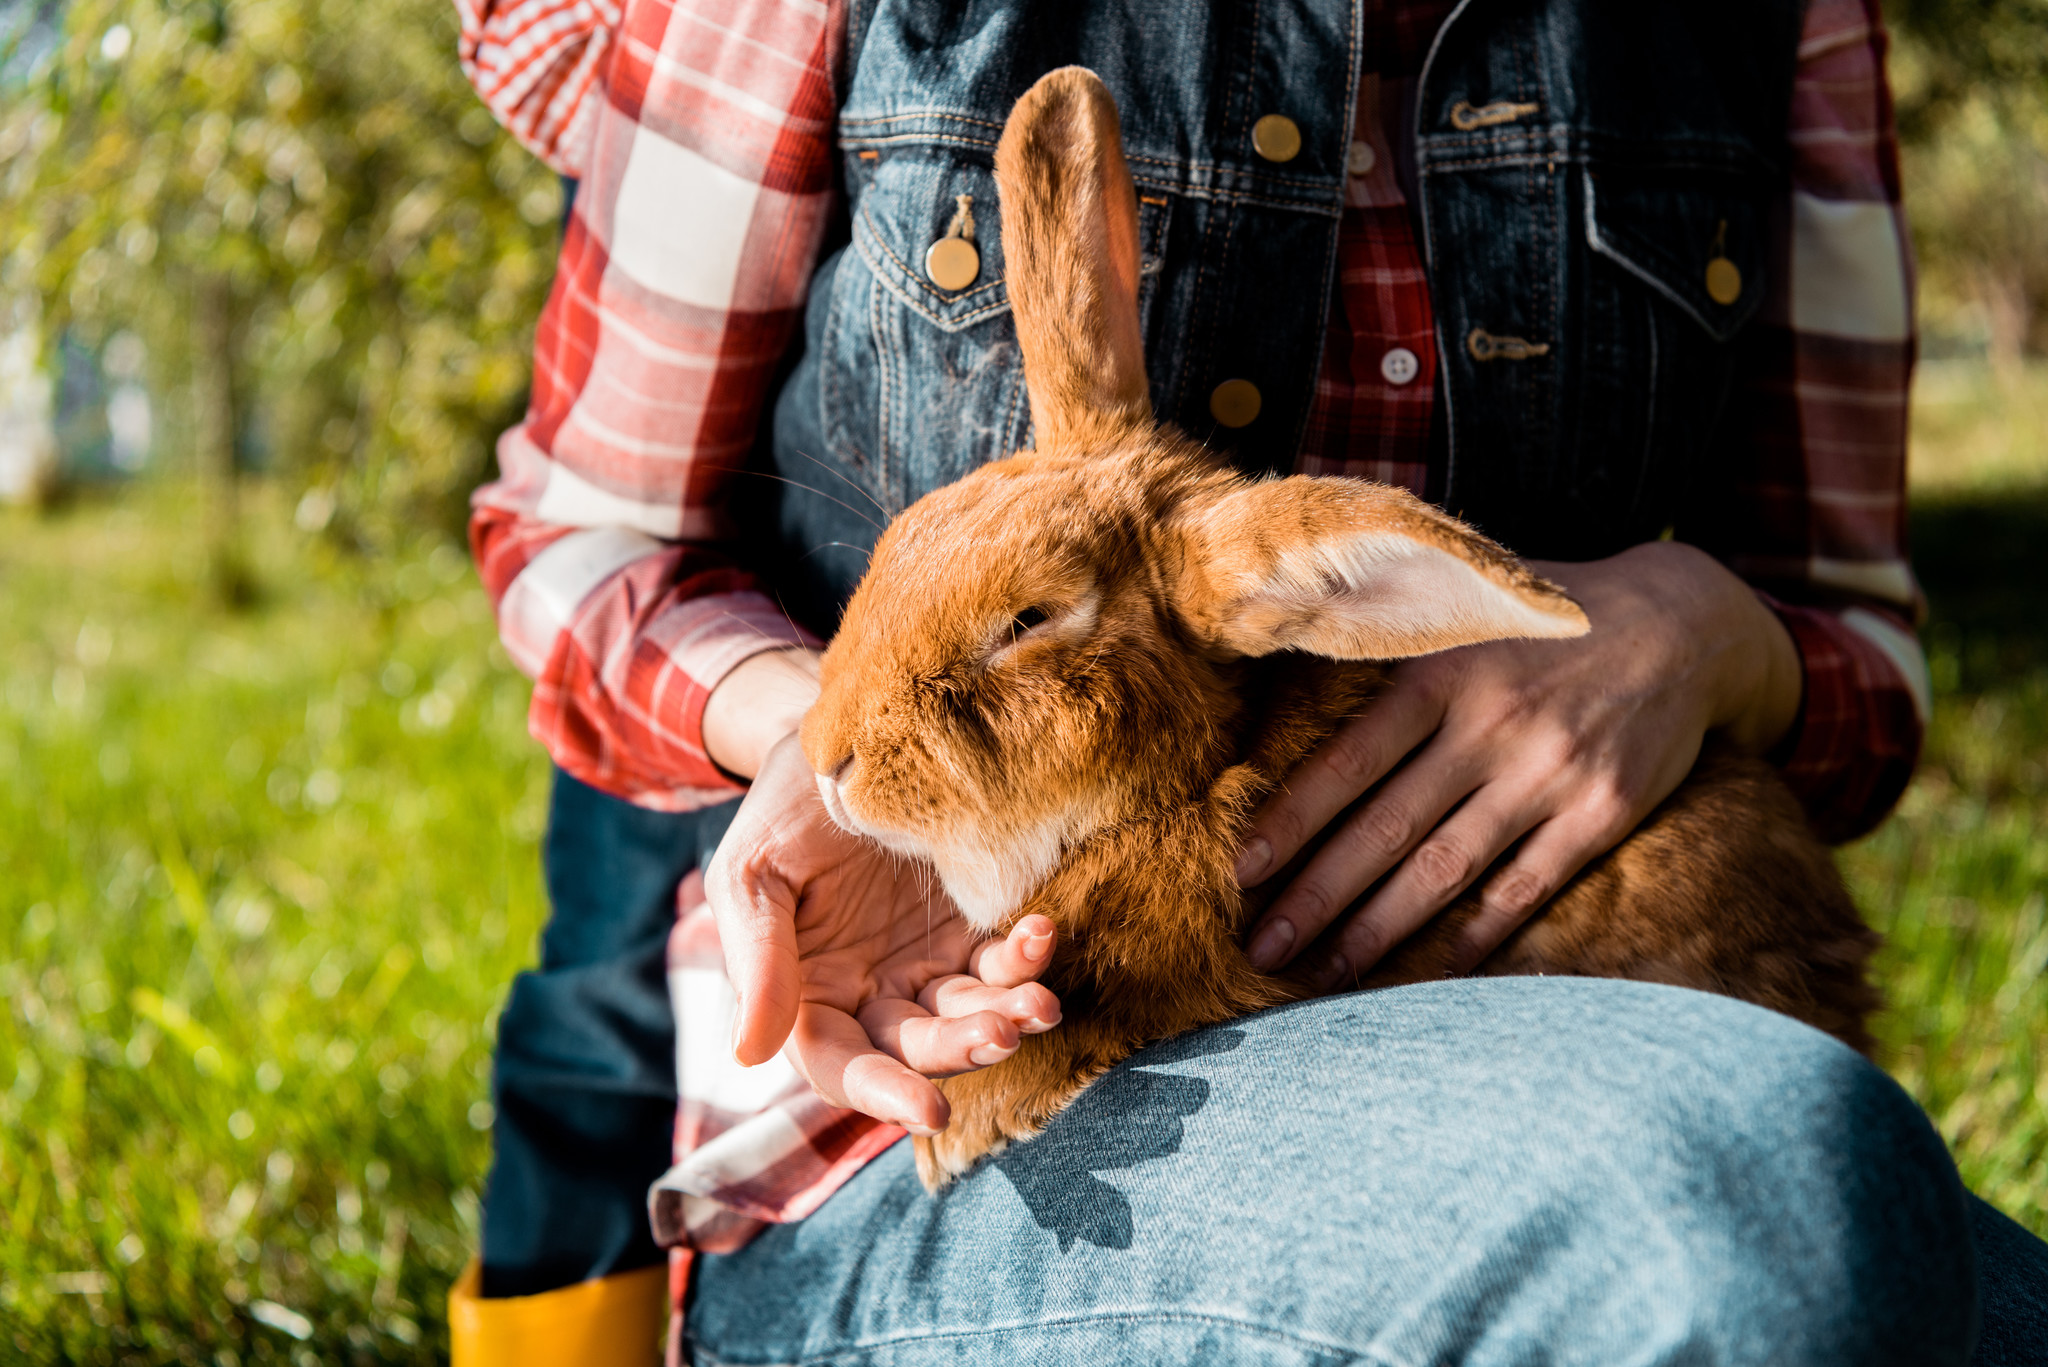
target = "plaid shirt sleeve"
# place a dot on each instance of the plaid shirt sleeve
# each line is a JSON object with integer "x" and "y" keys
{"x": 534, "y": 62}
{"x": 706, "y": 190}
{"x": 1815, "y": 517}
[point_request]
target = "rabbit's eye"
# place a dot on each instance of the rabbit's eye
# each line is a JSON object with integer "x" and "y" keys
{"x": 1026, "y": 620}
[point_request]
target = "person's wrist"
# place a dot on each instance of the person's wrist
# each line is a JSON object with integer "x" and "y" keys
{"x": 1750, "y": 676}
{"x": 1769, "y": 706}
{"x": 759, "y": 702}
{"x": 1754, "y": 663}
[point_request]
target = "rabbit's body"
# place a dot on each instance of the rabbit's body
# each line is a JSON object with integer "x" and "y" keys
{"x": 1069, "y": 678}
{"x": 1722, "y": 889}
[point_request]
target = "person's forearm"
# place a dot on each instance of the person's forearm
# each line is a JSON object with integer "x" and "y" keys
{"x": 762, "y": 700}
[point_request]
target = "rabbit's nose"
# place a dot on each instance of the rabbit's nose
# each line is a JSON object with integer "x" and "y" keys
{"x": 838, "y": 771}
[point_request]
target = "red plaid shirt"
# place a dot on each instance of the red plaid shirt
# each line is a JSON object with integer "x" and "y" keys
{"x": 702, "y": 132}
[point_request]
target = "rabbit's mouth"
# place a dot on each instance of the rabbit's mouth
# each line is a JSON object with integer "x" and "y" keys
{"x": 987, "y": 879}
{"x": 835, "y": 807}
{"x": 830, "y": 793}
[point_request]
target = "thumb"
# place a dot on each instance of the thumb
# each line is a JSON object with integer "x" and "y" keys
{"x": 755, "y": 908}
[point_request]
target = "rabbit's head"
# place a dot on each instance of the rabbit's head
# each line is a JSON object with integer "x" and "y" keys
{"x": 1052, "y": 643}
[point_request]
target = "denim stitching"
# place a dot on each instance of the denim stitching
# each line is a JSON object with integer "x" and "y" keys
{"x": 875, "y": 232}
{"x": 884, "y": 383}
{"x": 906, "y": 116}
{"x": 828, "y": 390}
{"x": 953, "y": 323}
{"x": 856, "y": 1350}
{"x": 1194, "y": 169}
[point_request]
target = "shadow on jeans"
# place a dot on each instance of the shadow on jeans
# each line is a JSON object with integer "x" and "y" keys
{"x": 1129, "y": 1116}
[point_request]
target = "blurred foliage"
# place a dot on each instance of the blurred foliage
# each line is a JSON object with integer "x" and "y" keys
{"x": 1961, "y": 49}
{"x": 322, "y": 164}
{"x": 1970, "y": 79}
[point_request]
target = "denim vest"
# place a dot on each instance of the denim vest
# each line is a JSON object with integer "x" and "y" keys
{"x": 1577, "y": 164}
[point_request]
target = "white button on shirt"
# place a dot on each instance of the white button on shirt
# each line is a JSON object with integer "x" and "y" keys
{"x": 1400, "y": 365}
{"x": 1361, "y": 159}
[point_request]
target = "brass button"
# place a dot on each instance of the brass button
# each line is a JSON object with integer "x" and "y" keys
{"x": 1276, "y": 138}
{"x": 1234, "y": 403}
{"x": 1724, "y": 281}
{"x": 951, "y": 263}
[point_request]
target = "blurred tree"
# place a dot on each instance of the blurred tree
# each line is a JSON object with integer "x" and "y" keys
{"x": 1956, "y": 50}
{"x": 318, "y": 230}
{"x": 1971, "y": 79}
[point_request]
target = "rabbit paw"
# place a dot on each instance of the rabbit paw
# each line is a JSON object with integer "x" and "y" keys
{"x": 951, "y": 1152}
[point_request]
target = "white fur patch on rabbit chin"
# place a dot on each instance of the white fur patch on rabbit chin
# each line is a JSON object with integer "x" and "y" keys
{"x": 987, "y": 884}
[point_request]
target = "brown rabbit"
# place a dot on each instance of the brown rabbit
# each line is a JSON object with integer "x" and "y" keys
{"x": 1069, "y": 678}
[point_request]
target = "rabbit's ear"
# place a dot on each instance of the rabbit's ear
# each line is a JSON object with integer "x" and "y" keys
{"x": 1352, "y": 570}
{"x": 1070, "y": 241}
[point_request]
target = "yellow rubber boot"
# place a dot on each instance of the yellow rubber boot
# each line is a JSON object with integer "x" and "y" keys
{"x": 614, "y": 1321}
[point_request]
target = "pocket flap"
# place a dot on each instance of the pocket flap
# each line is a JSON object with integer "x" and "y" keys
{"x": 1668, "y": 230}
{"x": 908, "y": 202}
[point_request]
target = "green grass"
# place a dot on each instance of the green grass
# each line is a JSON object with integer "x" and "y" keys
{"x": 1958, "y": 879}
{"x": 267, "y": 875}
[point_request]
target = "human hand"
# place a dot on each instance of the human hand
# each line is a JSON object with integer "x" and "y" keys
{"x": 856, "y": 960}
{"x": 1563, "y": 746}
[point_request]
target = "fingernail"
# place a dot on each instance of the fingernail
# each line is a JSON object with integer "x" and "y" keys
{"x": 1336, "y": 971}
{"x": 1270, "y": 946}
{"x": 1251, "y": 864}
{"x": 1036, "y": 1026}
{"x": 1037, "y": 946}
{"x": 921, "y": 1131}
{"x": 984, "y": 1054}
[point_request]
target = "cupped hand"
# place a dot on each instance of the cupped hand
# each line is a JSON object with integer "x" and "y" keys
{"x": 1547, "y": 752}
{"x": 856, "y": 962}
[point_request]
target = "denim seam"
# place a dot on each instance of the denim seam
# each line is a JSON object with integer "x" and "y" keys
{"x": 1601, "y": 245}
{"x": 882, "y": 242}
{"x": 1487, "y": 163}
{"x": 1635, "y": 502}
{"x": 950, "y": 322}
{"x": 828, "y": 390}
{"x": 883, "y": 395}
{"x": 935, "y": 139}
{"x": 858, "y": 1349}
{"x": 1012, "y": 438}
{"x": 1204, "y": 168}
{"x": 908, "y": 115}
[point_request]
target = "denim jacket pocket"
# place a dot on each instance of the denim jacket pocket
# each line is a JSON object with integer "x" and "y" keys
{"x": 920, "y": 384}
{"x": 1697, "y": 239}
{"x": 1675, "y": 266}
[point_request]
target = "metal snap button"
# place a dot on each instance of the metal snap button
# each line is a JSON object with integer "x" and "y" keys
{"x": 951, "y": 263}
{"x": 1276, "y": 138}
{"x": 1400, "y": 366}
{"x": 1360, "y": 160}
{"x": 1724, "y": 280}
{"x": 1234, "y": 403}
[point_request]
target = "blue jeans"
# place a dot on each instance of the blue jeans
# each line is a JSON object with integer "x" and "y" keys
{"x": 1479, "y": 1160}
{"x": 1491, "y": 1171}
{"x": 585, "y": 1073}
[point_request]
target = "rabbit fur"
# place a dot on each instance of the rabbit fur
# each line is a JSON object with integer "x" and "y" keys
{"x": 1068, "y": 679}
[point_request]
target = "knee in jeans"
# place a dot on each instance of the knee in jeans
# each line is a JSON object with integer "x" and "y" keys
{"x": 1831, "y": 1182}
